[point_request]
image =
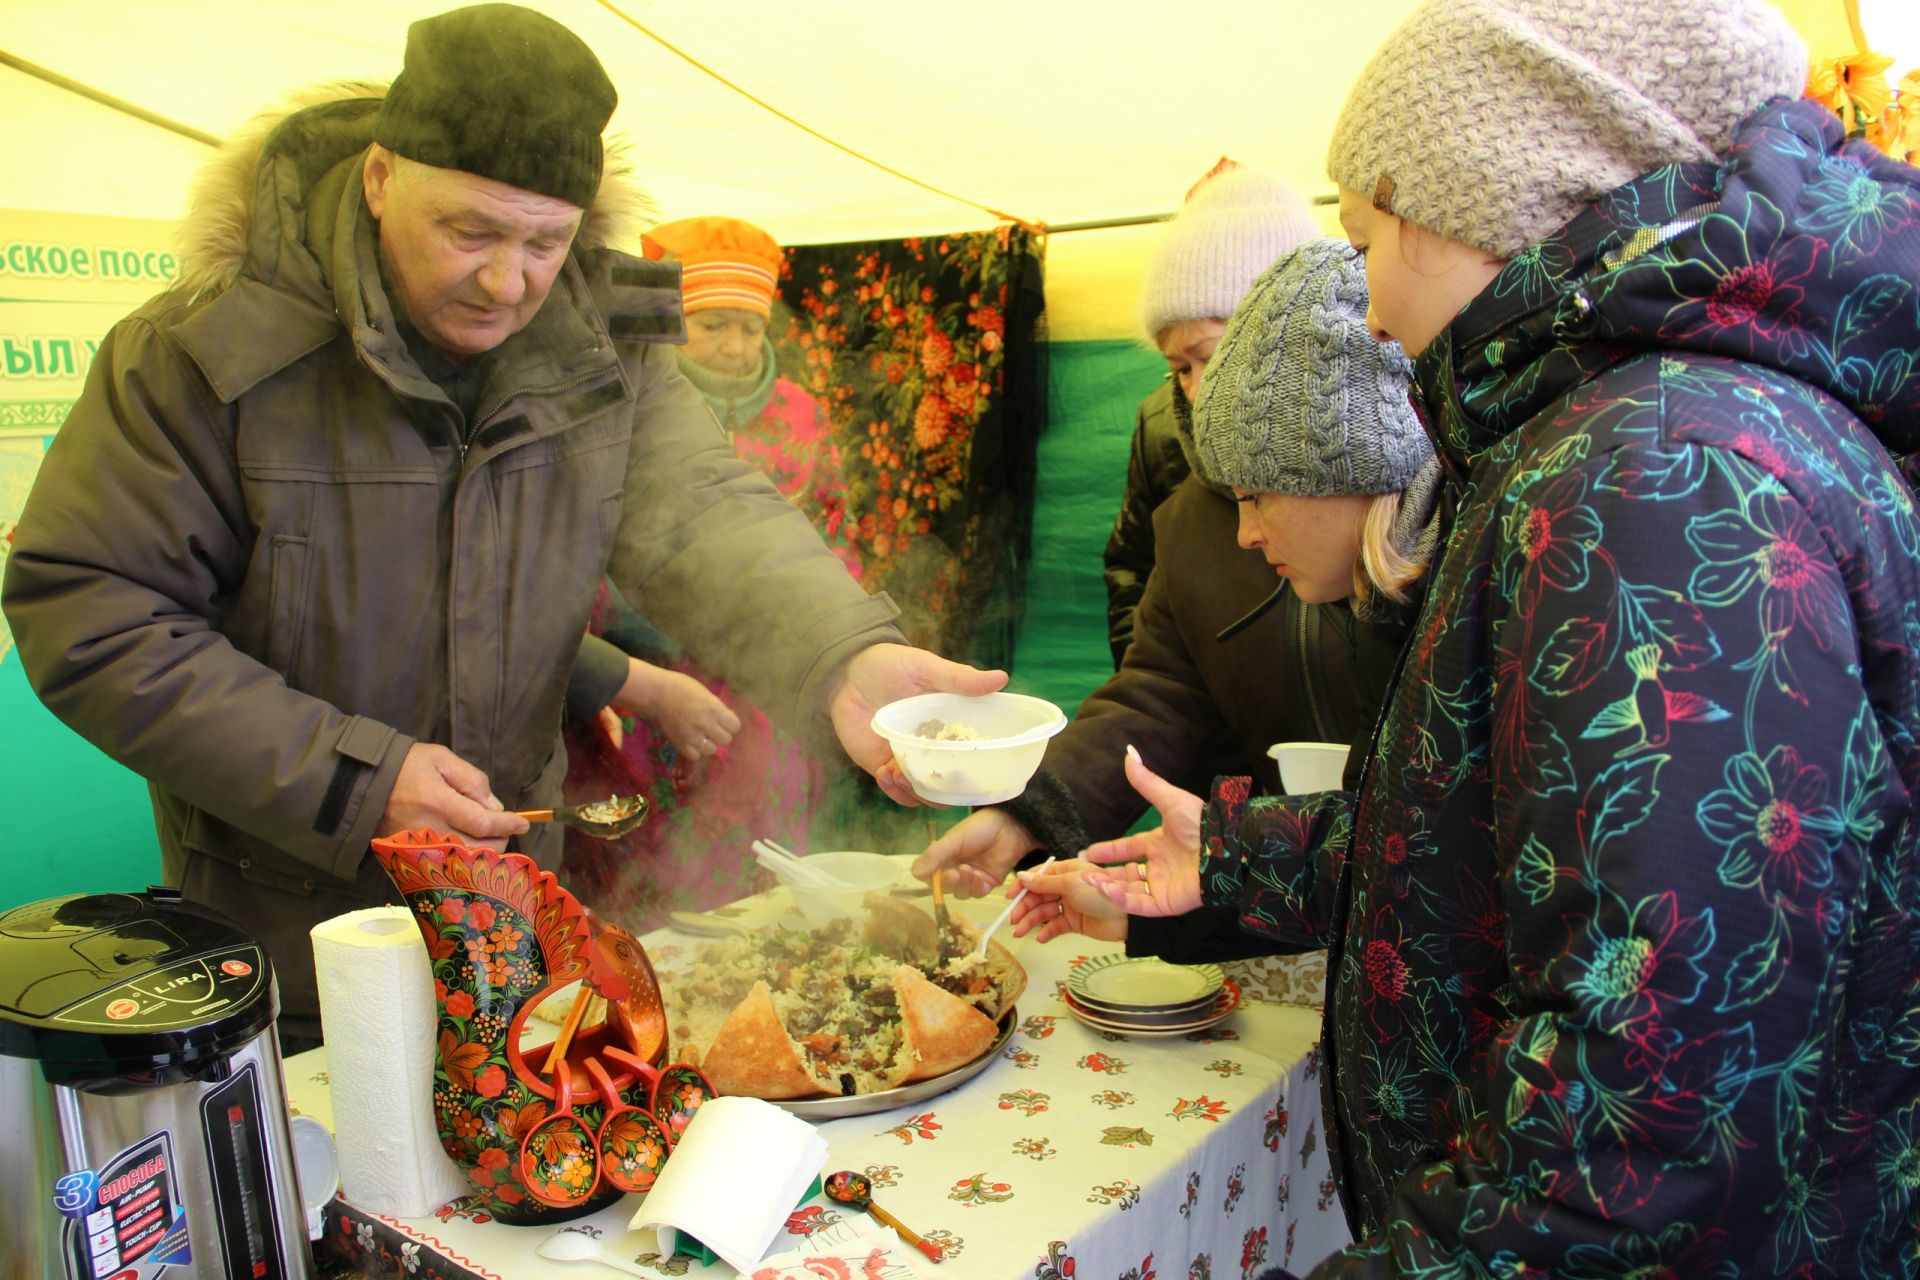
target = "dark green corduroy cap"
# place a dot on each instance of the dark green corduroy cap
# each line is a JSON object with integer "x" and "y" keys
{"x": 504, "y": 92}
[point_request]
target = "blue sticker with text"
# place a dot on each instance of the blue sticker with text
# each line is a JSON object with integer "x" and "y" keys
{"x": 73, "y": 1193}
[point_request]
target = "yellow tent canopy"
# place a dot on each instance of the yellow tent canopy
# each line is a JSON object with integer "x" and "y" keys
{"x": 1052, "y": 111}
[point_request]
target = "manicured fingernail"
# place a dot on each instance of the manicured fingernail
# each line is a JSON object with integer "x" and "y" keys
{"x": 1133, "y": 754}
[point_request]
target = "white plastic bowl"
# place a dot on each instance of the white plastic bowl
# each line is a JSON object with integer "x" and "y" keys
{"x": 1013, "y": 731}
{"x": 1309, "y": 766}
{"x": 862, "y": 873}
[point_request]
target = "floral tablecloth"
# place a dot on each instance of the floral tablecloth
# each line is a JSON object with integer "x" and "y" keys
{"x": 1076, "y": 1155}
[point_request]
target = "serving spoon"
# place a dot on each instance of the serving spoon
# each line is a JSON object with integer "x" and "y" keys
{"x": 852, "y": 1188}
{"x": 604, "y": 819}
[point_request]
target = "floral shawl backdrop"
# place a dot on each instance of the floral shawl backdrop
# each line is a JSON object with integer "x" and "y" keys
{"x": 925, "y": 356}
{"x": 928, "y": 354}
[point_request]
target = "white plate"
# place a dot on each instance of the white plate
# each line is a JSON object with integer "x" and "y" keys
{"x": 1138, "y": 984}
{"x": 1222, "y": 1008}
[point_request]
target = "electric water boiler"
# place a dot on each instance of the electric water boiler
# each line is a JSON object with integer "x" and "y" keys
{"x": 143, "y": 1128}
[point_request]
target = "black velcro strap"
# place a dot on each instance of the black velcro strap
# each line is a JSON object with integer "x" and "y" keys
{"x": 499, "y": 432}
{"x": 588, "y": 403}
{"x": 333, "y": 805}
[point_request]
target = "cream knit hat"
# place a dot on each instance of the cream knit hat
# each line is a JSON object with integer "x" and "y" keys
{"x": 1232, "y": 227}
{"x": 1494, "y": 122}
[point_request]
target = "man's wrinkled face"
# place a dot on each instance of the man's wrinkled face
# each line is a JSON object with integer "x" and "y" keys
{"x": 469, "y": 260}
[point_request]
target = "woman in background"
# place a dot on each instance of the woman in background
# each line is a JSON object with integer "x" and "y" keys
{"x": 729, "y": 277}
{"x": 720, "y": 774}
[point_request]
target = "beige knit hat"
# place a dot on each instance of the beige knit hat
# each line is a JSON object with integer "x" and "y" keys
{"x": 1494, "y": 122}
{"x": 1235, "y": 222}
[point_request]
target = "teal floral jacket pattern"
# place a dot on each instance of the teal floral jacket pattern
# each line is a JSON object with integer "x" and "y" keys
{"x": 1626, "y": 952}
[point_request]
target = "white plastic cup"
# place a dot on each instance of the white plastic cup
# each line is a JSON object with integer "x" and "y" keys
{"x": 1309, "y": 766}
{"x": 316, "y": 1167}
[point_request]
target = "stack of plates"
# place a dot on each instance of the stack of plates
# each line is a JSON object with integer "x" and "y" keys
{"x": 1143, "y": 996}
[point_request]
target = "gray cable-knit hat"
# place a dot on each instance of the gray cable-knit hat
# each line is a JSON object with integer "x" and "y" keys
{"x": 1233, "y": 225}
{"x": 1494, "y": 122}
{"x": 1298, "y": 397}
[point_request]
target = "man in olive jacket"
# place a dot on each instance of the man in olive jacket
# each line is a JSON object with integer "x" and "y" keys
{"x": 315, "y": 550}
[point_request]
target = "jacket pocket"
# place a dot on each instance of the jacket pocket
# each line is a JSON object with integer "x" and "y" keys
{"x": 254, "y": 859}
{"x": 287, "y": 603}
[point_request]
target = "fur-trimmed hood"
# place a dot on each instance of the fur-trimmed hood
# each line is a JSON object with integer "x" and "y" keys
{"x": 213, "y": 238}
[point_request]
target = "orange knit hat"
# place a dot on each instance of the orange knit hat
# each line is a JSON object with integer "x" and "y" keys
{"x": 724, "y": 262}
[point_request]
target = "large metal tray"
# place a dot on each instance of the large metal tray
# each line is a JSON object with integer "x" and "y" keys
{"x": 866, "y": 1104}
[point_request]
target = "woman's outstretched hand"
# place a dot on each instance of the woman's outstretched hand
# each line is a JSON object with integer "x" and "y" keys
{"x": 1157, "y": 871}
{"x": 1061, "y": 899}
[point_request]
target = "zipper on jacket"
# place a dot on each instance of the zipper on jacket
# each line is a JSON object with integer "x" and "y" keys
{"x": 1340, "y": 1148}
{"x": 473, "y": 427}
{"x": 1647, "y": 239}
{"x": 454, "y": 581}
{"x": 1309, "y": 650}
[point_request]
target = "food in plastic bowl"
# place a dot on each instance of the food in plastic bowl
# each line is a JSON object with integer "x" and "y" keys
{"x": 960, "y": 750}
{"x": 856, "y": 874}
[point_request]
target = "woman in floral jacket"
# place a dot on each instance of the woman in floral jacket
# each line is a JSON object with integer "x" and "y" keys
{"x": 1625, "y": 917}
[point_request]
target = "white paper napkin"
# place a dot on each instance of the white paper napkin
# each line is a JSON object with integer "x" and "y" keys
{"x": 737, "y": 1172}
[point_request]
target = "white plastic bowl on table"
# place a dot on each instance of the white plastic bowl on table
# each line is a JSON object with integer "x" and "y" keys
{"x": 861, "y": 873}
{"x": 1309, "y": 766}
{"x": 1013, "y": 730}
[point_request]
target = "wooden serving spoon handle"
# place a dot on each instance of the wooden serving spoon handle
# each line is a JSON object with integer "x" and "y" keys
{"x": 906, "y": 1232}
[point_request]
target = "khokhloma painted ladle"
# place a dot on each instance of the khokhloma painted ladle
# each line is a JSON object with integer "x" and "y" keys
{"x": 852, "y": 1188}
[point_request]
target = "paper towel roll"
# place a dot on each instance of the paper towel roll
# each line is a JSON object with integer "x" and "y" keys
{"x": 377, "y": 1010}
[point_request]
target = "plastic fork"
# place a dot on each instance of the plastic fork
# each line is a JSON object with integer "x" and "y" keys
{"x": 778, "y": 859}
{"x": 980, "y": 952}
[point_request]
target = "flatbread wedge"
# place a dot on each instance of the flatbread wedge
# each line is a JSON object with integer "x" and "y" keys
{"x": 752, "y": 1054}
{"x": 939, "y": 1032}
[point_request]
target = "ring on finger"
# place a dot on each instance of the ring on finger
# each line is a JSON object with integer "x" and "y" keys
{"x": 1059, "y": 908}
{"x": 1141, "y": 867}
